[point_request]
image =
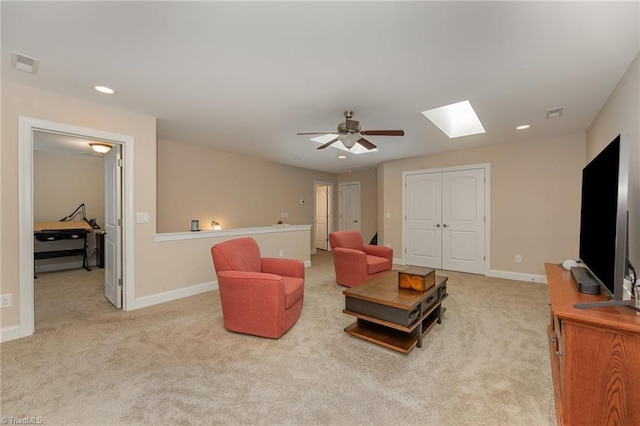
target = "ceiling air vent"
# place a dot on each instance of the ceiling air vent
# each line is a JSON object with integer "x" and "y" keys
{"x": 555, "y": 112}
{"x": 24, "y": 63}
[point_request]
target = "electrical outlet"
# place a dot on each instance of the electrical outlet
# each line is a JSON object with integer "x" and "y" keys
{"x": 518, "y": 258}
{"x": 5, "y": 301}
{"x": 284, "y": 215}
{"x": 281, "y": 253}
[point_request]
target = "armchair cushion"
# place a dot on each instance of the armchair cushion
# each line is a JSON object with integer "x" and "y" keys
{"x": 377, "y": 264}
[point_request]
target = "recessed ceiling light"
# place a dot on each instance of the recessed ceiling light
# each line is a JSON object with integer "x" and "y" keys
{"x": 456, "y": 120}
{"x": 522, "y": 127}
{"x": 342, "y": 157}
{"x": 104, "y": 89}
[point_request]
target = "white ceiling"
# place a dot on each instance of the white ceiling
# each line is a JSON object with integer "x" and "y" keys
{"x": 245, "y": 77}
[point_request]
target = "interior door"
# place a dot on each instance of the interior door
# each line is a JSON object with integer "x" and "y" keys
{"x": 349, "y": 206}
{"x": 463, "y": 216}
{"x": 113, "y": 226}
{"x": 423, "y": 220}
{"x": 322, "y": 216}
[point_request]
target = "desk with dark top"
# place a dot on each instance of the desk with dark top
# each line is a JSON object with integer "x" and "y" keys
{"x": 55, "y": 231}
{"x": 393, "y": 317}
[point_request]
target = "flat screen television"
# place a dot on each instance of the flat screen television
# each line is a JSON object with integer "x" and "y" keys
{"x": 603, "y": 216}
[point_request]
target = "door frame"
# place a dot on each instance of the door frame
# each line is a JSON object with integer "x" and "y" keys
{"x": 487, "y": 205}
{"x": 26, "y": 127}
{"x": 329, "y": 185}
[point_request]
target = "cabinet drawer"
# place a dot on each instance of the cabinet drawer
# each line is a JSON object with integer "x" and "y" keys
{"x": 386, "y": 313}
{"x": 428, "y": 303}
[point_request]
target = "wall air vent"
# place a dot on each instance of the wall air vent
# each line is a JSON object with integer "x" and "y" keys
{"x": 555, "y": 112}
{"x": 24, "y": 63}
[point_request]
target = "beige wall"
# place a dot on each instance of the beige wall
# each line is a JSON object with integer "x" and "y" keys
{"x": 18, "y": 100}
{"x": 368, "y": 200}
{"x": 621, "y": 113}
{"x": 535, "y": 199}
{"x": 161, "y": 267}
{"x": 63, "y": 181}
{"x": 238, "y": 191}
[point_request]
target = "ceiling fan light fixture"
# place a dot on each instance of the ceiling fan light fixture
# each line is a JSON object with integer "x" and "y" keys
{"x": 99, "y": 147}
{"x": 349, "y": 139}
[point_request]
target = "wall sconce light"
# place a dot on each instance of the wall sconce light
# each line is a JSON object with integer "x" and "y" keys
{"x": 216, "y": 225}
{"x": 102, "y": 148}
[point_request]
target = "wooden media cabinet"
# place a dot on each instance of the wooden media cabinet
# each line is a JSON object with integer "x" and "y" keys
{"x": 595, "y": 356}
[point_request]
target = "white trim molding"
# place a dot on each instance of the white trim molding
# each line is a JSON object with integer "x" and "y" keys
{"x": 517, "y": 276}
{"x": 26, "y": 127}
{"x": 168, "y": 296}
{"x": 9, "y": 333}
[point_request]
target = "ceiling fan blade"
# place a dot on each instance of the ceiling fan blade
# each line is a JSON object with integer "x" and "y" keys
{"x": 327, "y": 144}
{"x": 383, "y": 132}
{"x": 366, "y": 144}
{"x": 314, "y": 133}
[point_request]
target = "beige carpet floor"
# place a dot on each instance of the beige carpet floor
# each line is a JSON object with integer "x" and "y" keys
{"x": 90, "y": 364}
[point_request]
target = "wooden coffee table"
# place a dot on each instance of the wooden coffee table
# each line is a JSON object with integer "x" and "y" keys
{"x": 393, "y": 317}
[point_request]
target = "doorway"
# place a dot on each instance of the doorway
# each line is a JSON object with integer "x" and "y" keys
{"x": 27, "y": 128}
{"x": 323, "y": 216}
{"x": 446, "y": 218}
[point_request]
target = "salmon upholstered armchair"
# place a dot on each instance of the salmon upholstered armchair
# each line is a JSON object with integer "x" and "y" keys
{"x": 259, "y": 295}
{"x": 356, "y": 262}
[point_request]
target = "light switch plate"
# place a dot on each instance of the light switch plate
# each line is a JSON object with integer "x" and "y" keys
{"x": 142, "y": 217}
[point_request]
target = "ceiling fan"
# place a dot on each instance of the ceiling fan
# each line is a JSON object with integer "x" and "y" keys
{"x": 349, "y": 133}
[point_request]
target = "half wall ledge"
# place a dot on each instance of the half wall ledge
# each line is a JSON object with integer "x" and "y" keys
{"x": 230, "y": 233}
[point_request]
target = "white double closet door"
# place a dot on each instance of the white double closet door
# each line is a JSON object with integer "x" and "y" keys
{"x": 445, "y": 220}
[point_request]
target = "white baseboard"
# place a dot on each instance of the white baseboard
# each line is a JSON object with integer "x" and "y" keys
{"x": 517, "y": 276}
{"x": 168, "y": 296}
{"x": 9, "y": 333}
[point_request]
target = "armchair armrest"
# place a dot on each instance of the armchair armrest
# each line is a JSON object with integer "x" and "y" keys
{"x": 250, "y": 287}
{"x": 283, "y": 266}
{"x": 256, "y": 280}
{"x": 380, "y": 251}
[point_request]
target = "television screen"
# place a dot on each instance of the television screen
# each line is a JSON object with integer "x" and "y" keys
{"x": 603, "y": 216}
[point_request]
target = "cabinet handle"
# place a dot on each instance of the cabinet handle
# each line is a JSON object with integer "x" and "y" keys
{"x": 558, "y": 353}
{"x": 445, "y": 225}
{"x": 553, "y": 339}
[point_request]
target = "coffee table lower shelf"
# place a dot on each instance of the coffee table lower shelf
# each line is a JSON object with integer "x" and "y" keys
{"x": 398, "y": 338}
{"x": 381, "y": 335}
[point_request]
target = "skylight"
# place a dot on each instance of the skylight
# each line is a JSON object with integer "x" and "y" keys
{"x": 357, "y": 148}
{"x": 456, "y": 120}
